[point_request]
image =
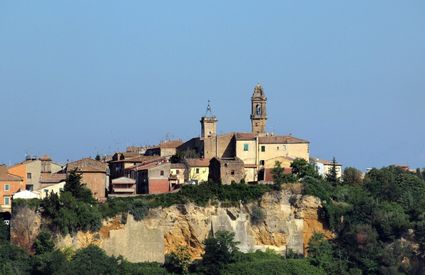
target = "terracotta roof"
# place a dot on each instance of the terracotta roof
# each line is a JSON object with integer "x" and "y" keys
{"x": 280, "y": 140}
{"x": 147, "y": 160}
{"x": 148, "y": 166}
{"x": 177, "y": 166}
{"x": 6, "y": 176}
{"x": 171, "y": 144}
{"x": 198, "y": 162}
{"x": 245, "y": 136}
{"x": 136, "y": 159}
{"x": 48, "y": 178}
{"x": 87, "y": 165}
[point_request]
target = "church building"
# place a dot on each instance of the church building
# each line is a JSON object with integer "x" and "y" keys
{"x": 257, "y": 151}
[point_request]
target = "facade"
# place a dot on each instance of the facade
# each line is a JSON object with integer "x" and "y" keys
{"x": 94, "y": 174}
{"x": 154, "y": 178}
{"x": 197, "y": 170}
{"x": 32, "y": 169}
{"x": 227, "y": 170}
{"x": 177, "y": 172}
{"x": 323, "y": 167}
{"x": 9, "y": 185}
{"x": 47, "y": 189}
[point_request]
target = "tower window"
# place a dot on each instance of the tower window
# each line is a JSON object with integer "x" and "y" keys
{"x": 29, "y": 175}
{"x": 263, "y": 148}
{"x": 246, "y": 147}
{"x": 232, "y": 172}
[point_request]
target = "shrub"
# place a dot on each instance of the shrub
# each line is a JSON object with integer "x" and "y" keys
{"x": 257, "y": 215}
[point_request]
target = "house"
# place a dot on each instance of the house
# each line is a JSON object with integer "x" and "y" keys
{"x": 196, "y": 170}
{"x": 323, "y": 167}
{"x": 9, "y": 185}
{"x": 226, "y": 170}
{"x": 95, "y": 174}
{"x": 153, "y": 178}
{"x": 123, "y": 187}
{"x": 32, "y": 169}
{"x": 123, "y": 161}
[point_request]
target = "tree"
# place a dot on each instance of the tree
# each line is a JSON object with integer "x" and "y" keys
{"x": 278, "y": 175}
{"x": 44, "y": 243}
{"x": 301, "y": 168}
{"x": 332, "y": 175}
{"x": 320, "y": 253}
{"x": 4, "y": 231}
{"x": 352, "y": 176}
{"x": 98, "y": 158}
{"x": 92, "y": 260}
{"x": 178, "y": 261}
{"x": 77, "y": 189}
{"x": 257, "y": 215}
{"x": 219, "y": 251}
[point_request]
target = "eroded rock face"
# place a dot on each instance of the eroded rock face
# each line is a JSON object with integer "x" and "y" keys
{"x": 289, "y": 222}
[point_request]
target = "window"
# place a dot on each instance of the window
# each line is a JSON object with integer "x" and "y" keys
{"x": 246, "y": 147}
{"x": 263, "y": 148}
{"x": 278, "y": 148}
{"x": 232, "y": 172}
{"x": 6, "y": 200}
{"x": 29, "y": 187}
{"x": 6, "y": 187}
{"x": 197, "y": 171}
{"x": 162, "y": 172}
{"x": 29, "y": 176}
{"x": 262, "y": 162}
{"x": 177, "y": 172}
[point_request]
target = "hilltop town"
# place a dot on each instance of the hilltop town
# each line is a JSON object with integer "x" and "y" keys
{"x": 226, "y": 158}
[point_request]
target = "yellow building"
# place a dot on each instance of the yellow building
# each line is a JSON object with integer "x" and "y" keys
{"x": 197, "y": 170}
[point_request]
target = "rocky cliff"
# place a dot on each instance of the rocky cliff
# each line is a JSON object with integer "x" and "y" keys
{"x": 287, "y": 222}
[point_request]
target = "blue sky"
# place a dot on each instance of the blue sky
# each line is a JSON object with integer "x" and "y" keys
{"x": 84, "y": 77}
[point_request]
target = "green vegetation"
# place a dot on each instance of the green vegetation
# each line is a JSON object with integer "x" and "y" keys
{"x": 379, "y": 222}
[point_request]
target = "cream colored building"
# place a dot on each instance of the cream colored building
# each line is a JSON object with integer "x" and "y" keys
{"x": 46, "y": 190}
{"x": 197, "y": 170}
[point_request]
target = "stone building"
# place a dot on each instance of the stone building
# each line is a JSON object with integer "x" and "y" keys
{"x": 258, "y": 149}
{"x": 226, "y": 170}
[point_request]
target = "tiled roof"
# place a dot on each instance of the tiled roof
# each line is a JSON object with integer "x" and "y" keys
{"x": 87, "y": 165}
{"x": 198, "y": 162}
{"x": 136, "y": 159}
{"x": 280, "y": 140}
{"x": 177, "y": 166}
{"x": 147, "y": 160}
{"x": 6, "y": 176}
{"x": 171, "y": 144}
{"x": 48, "y": 178}
{"x": 245, "y": 136}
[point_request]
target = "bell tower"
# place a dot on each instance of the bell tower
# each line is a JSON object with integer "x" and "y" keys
{"x": 258, "y": 110}
{"x": 208, "y": 123}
